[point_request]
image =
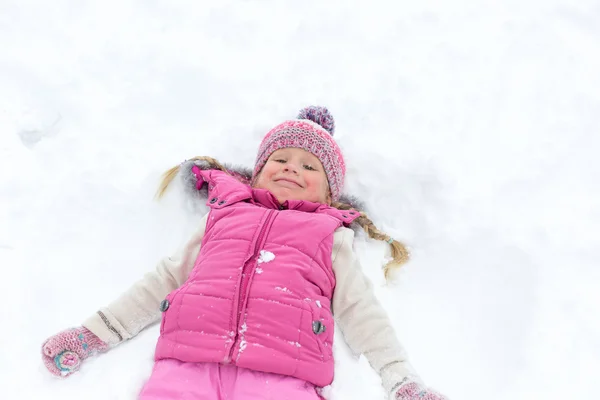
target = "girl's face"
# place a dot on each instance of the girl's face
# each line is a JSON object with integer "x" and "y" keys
{"x": 294, "y": 174}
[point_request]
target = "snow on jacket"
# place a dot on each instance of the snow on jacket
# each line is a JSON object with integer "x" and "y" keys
{"x": 257, "y": 286}
{"x": 260, "y": 291}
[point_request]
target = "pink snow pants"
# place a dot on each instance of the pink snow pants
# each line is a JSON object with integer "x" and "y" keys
{"x": 173, "y": 379}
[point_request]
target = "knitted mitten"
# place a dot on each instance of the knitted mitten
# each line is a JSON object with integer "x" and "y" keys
{"x": 410, "y": 390}
{"x": 64, "y": 352}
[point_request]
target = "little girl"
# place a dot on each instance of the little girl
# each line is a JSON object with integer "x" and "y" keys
{"x": 248, "y": 305}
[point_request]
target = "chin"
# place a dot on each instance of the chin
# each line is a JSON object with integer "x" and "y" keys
{"x": 282, "y": 196}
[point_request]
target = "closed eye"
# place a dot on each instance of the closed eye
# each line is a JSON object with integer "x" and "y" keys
{"x": 280, "y": 161}
{"x": 309, "y": 167}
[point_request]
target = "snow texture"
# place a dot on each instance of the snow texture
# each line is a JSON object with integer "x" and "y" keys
{"x": 265, "y": 257}
{"x": 470, "y": 130}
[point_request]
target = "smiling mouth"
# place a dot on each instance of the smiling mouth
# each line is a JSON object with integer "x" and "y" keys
{"x": 288, "y": 182}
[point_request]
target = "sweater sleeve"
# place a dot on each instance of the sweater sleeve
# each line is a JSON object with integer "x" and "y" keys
{"x": 138, "y": 307}
{"x": 361, "y": 318}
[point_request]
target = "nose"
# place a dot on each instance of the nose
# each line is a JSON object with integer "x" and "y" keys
{"x": 290, "y": 167}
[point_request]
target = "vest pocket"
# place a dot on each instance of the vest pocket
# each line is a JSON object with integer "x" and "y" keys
{"x": 165, "y": 306}
{"x": 322, "y": 328}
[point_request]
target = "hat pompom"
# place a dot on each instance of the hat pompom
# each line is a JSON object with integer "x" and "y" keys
{"x": 319, "y": 115}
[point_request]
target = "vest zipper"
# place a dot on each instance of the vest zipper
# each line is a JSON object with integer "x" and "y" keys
{"x": 247, "y": 273}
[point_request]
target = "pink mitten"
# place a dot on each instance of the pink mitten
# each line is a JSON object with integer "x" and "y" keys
{"x": 410, "y": 390}
{"x": 64, "y": 352}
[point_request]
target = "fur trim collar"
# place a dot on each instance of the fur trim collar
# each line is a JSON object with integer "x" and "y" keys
{"x": 244, "y": 175}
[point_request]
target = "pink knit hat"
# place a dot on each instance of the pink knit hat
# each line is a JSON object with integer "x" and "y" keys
{"x": 313, "y": 132}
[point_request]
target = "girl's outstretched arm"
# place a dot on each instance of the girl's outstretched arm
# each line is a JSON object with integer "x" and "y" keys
{"x": 366, "y": 326}
{"x": 138, "y": 307}
{"x": 126, "y": 316}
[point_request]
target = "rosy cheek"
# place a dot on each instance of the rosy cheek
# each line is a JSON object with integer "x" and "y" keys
{"x": 314, "y": 188}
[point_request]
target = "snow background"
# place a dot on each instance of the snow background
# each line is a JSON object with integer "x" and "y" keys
{"x": 470, "y": 129}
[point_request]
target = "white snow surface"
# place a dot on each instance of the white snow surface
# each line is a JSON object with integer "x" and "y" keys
{"x": 470, "y": 130}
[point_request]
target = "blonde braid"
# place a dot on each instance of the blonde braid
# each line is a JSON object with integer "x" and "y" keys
{"x": 171, "y": 173}
{"x": 400, "y": 254}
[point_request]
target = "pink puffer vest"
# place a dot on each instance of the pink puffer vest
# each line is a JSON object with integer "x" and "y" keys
{"x": 259, "y": 295}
